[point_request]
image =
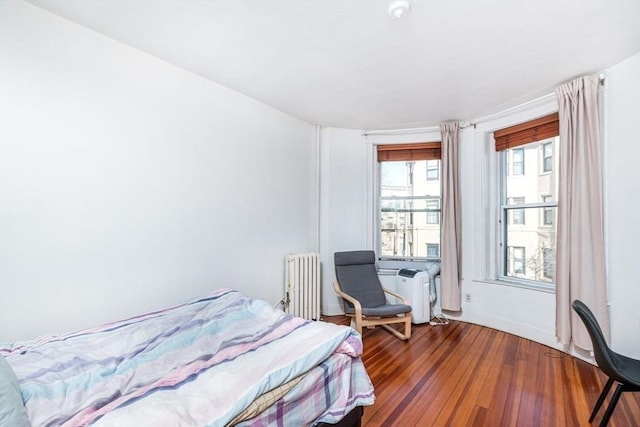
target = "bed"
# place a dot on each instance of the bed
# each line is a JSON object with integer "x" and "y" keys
{"x": 224, "y": 359}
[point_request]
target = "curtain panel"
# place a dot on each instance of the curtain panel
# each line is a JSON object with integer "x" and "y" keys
{"x": 580, "y": 257}
{"x": 450, "y": 269}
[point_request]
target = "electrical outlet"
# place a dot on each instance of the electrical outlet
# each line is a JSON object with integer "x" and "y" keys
{"x": 467, "y": 297}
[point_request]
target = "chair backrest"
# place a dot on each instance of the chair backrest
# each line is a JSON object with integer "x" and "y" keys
{"x": 357, "y": 276}
{"x": 601, "y": 351}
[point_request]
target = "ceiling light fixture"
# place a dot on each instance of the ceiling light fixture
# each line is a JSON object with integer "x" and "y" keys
{"x": 399, "y": 8}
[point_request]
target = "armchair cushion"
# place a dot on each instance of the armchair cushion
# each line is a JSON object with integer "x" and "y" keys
{"x": 385, "y": 310}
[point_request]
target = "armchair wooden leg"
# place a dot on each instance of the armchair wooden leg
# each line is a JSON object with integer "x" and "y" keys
{"x": 358, "y": 325}
{"x": 394, "y": 332}
{"x": 407, "y": 328}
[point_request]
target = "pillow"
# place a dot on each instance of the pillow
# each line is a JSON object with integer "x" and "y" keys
{"x": 12, "y": 410}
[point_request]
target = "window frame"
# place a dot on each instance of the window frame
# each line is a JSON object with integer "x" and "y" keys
{"x": 496, "y": 267}
{"x": 373, "y": 236}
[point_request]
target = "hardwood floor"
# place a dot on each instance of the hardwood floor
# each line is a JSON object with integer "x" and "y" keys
{"x": 462, "y": 374}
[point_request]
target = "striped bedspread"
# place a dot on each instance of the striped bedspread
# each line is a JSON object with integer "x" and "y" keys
{"x": 197, "y": 364}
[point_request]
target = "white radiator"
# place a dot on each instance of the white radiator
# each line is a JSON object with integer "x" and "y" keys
{"x": 302, "y": 285}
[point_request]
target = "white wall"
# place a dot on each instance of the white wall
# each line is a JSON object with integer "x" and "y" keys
{"x": 622, "y": 177}
{"x": 127, "y": 184}
{"x": 343, "y": 215}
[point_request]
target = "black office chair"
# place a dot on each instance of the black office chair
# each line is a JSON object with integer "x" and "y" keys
{"x": 621, "y": 369}
{"x": 364, "y": 297}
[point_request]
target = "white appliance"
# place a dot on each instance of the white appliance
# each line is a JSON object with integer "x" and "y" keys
{"x": 420, "y": 288}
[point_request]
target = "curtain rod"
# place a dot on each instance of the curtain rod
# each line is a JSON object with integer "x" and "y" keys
{"x": 400, "y": 131}
{"x": 463, "y": 124}
{"x": 601, "y": 77}
{"x": 488, "y": 117}
{"x": 468, "y": 123}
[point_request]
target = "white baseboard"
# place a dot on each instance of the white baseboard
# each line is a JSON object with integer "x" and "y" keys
{"x": 538, "y": 335}
{"x": 332, "y": 309}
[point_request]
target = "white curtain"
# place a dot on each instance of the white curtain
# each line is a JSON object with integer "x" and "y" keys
{"x": 580, "y": 257}
{"x": 451, "y": 222}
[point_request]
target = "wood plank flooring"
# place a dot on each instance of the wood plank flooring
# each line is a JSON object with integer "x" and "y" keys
{"x": 462, "y": 374}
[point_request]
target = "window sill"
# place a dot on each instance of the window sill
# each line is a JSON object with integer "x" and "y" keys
{"x": 546, "y": 288}
{"x": 390, "y": 267}
{"x": 387, "y": 271}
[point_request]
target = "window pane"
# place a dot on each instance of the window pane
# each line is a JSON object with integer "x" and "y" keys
{"x": 531, "y": 249}
{"x": 529, "y": 189}
{"x": 532, "y": 181}
{"x": 409, "y": 210}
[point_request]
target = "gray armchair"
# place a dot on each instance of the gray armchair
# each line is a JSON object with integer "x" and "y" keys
{"x": 364, "y": 297}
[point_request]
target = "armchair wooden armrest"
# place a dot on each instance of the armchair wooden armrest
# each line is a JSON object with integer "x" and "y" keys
{"x": 356, "y": 304}
{"x": 400, "y": 297}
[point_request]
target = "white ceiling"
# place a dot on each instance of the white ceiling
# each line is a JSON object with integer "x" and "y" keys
{"x": 347, "y": 64}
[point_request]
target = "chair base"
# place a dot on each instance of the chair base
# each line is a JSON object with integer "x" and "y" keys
{"x": 405, "y": 336}
{"x": 614, "y": 400}
{"x": 385, "y": 322}
{"x": 362, "y": 320}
